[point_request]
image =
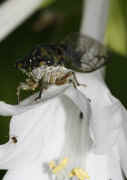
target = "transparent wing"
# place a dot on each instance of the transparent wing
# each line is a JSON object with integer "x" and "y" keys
{"x": 85, "y": 53}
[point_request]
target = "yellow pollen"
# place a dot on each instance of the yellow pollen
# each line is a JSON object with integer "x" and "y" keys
{"x": 52, "y": 165}
{"x": 79, "y": 173}
{"x": 57, "y": 168}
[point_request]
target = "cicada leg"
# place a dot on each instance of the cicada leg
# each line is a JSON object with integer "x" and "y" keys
{"x": 18, "y": 94}
{"x": 75, "y": 81}
{"x": 42, "y": 86}
{"x": 22, "y": 86}
{"x": 70, "y": 77}
{"x": 40, "y": 94}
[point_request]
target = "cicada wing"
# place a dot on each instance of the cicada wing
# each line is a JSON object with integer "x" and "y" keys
{"x": 86, "y": 54}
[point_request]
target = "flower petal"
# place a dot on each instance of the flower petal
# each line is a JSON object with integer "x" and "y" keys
{"x": 80, "y": 100}
{"x": 30, "y": 103}
{"x": 41, "y": 126}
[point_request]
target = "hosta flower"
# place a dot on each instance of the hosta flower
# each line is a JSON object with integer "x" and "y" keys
{"x": 54, "y": 128}
{"x": 71, "y": 133}
{"x": 44, "y": 131}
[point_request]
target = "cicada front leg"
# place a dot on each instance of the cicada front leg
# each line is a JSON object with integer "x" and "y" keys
{"x": 69, "y": 77}
{"x": 22, "y": 86}
{"x": 74, "y": 80}
{"x": 76, "y": 83}
{"x": 42, "y": 86}
{"x": 28, "y": 85}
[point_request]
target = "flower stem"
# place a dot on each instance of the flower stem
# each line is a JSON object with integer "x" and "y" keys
{"x": 94, "y": 18}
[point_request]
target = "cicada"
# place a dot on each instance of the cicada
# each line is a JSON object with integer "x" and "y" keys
{"x": 56, "y": 63}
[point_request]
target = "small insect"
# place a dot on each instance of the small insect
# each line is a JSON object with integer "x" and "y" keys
{"x": 14, "y": 139}
{"x": 49, "y": 64}
{"x": 81, "y": 115}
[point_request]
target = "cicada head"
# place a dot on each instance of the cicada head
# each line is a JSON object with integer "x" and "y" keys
{"x": 39, "y": 56}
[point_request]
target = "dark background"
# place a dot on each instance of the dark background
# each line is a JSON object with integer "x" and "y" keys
{"x": 31, "y": 32}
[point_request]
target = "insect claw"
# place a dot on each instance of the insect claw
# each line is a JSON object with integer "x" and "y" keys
{"x": 37, "y": 98}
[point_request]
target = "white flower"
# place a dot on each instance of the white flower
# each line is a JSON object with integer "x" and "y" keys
{"x": 107, "y": 157}
{"x": 52, "y": 129}
{"x": 19, "y": 11}
{"x": 42, "y": 130}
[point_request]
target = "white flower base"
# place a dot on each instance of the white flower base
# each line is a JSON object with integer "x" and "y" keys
{"x": 52, "y": 129}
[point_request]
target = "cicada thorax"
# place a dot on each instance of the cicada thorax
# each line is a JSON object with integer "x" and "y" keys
{"x": 56, "y": 53}
{"x": 61, "y": 54}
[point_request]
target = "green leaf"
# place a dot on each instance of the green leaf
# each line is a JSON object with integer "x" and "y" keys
{"x": 47, "y": 3}
{"x": 116, "y": 35}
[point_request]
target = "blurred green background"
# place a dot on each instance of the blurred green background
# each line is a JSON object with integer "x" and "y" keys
{"x": 65, "y": 17}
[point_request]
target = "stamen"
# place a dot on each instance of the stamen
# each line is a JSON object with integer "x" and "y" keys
{"x": 79, "y": 173}
{"x": 57, "y": 168}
